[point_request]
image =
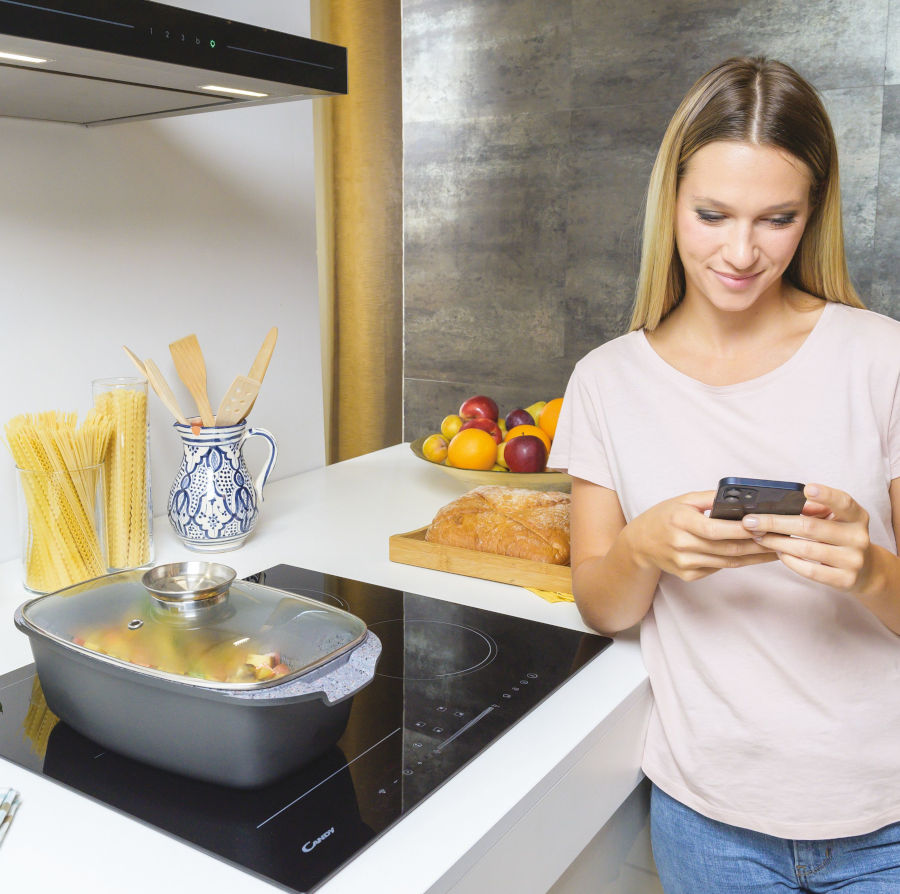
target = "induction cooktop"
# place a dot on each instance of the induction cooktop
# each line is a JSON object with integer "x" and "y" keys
{"x": 450, "y": 681}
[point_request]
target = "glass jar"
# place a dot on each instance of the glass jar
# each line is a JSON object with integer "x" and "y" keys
{"x": 128, "y": 512}
{"x": 61, "y": 514}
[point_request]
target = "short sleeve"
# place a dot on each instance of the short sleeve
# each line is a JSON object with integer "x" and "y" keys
{"x": 579, "y": 446}
{"x": 893, "y": 445}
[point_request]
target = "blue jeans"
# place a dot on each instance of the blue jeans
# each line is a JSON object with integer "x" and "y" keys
{"x": 698, "y": 855}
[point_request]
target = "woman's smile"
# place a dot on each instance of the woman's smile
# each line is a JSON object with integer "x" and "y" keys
{"x": 736, "y": 281}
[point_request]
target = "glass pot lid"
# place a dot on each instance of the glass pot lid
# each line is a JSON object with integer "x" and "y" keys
{"x": 191, "y": 621}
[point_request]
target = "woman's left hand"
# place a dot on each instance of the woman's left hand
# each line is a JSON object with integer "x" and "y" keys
{"x": 828, "y": 543}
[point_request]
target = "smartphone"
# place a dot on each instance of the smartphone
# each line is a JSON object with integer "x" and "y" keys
{"x": 736, "y": 497}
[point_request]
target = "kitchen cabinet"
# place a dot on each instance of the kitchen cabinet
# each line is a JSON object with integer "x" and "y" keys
{"x": 517, "y": 817}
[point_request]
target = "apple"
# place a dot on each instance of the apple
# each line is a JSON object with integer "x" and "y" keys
{"x": 479, "y": 407}
{"x": 518, "y": 417}
{"x": 487, "y": 425}
{"x": 525, "y": 453}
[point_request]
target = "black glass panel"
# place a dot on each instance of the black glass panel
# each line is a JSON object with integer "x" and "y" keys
{"x": 450, "y": 681}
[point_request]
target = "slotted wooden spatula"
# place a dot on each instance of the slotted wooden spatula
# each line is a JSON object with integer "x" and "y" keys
{"x": 237, "y": 401}
{"x": 191, "y": 369}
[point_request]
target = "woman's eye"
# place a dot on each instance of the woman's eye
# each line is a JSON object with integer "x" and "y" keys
{"x": 710, "y": 216}
{"x": 782, "y": 220}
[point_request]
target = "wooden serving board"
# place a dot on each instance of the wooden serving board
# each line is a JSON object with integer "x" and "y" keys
{"x": 413, "y": 549}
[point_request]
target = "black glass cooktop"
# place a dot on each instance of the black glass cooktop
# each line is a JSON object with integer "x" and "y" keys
{"x": 451, "y": 679}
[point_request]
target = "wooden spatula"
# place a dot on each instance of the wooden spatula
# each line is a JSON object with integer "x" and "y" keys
{"x": 237, "y": 401}
{"x": 136, "y": 361}
{"x": 192, "y": 370}
{"x": 163, "y": 391}
{"x": 261, "y": 363}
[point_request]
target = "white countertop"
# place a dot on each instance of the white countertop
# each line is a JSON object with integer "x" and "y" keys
{"x": 572, "y": 761}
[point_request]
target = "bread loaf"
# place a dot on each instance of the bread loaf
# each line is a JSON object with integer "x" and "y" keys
{"x": 510, "y": 521}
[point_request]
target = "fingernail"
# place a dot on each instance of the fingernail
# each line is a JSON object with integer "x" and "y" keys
{"x": 750, "y": 521}
{"x": 812, "y": 490}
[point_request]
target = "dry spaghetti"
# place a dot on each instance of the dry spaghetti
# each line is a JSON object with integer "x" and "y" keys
{"x": 59, "y": 468}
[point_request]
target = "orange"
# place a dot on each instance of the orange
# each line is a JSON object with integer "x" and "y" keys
{"x": 550, "y": 416}
{"x": 472, "y": 448}
{"x": 520, "y": 430}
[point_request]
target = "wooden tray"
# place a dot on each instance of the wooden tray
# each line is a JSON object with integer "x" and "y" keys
{"x": 413, "y": 549}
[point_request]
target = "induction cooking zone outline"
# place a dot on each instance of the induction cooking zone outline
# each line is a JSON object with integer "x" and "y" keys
{"x": 435, "y": 731}
{"x": 452, "y": 679}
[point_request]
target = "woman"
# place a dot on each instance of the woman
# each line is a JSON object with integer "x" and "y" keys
{"x": 772, "y": 642}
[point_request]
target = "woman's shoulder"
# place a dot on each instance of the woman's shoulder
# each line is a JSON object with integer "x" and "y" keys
{"x": 874, "y": 327}
{"x": 623, "y": 350}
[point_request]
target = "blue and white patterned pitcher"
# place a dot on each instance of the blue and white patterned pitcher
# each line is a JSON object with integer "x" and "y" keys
{"x": 214, "y": 502}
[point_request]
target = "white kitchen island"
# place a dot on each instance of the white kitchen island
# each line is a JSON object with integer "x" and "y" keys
{"x": 529, "y": 813}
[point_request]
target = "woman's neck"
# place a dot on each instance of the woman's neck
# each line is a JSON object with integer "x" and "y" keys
{"x": 725, "y": 347}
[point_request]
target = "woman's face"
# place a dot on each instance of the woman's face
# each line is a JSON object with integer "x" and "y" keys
{"x": 740, "y": 212}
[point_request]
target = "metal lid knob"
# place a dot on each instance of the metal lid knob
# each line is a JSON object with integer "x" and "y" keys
{"x": 186, "y": 588}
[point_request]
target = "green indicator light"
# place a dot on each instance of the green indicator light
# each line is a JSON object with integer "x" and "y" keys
{"x": 212, "y": 43}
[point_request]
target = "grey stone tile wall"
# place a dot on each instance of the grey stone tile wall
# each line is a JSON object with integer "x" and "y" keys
{"x": 529, "y": 132}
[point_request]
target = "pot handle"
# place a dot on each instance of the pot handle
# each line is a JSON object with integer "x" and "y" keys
{"x": 355, "y": 673}
{"x": 269, "y": 464}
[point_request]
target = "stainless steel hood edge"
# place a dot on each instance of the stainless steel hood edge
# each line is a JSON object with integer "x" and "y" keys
{"x": 109, "y": 61}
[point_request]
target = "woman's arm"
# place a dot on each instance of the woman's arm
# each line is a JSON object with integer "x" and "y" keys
{"x": 831, "y": 545}
{"x": 616, "y": 565}
{"x": 612, "y": 591}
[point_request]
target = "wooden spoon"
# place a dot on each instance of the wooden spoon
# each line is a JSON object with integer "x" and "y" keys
{"x": 237, "y": 401}
{"x": 192, "y": 370}
{"x": 163, "y": 391}
{"x": 261, "y": 363}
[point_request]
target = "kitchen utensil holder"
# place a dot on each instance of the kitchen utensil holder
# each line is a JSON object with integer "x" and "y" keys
{"x": 214, "y": 501}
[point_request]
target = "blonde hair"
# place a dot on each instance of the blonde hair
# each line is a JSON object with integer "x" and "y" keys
{"x": 747, "y": 100}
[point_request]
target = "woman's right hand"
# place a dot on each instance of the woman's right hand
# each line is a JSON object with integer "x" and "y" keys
{"x": 676, "y": 536}
{"x": 616, "y": 565}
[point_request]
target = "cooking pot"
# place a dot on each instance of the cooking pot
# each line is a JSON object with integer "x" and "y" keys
{"x": 187, "y": 669}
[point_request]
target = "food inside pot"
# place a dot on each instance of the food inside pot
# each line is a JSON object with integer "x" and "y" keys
{"x": 205, "y": 654}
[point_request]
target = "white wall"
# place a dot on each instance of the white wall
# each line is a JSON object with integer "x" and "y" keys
{"x": 140, "y": 233}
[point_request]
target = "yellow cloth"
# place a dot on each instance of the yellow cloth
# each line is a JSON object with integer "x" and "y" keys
{"x": 552, "y": 595}
{"x": 359, "y": 206}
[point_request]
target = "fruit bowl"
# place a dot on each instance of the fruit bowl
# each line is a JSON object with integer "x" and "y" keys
{"x": 474, "y": 477}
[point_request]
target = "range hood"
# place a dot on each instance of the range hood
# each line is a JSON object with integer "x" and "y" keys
{"x": 96, "y": 62}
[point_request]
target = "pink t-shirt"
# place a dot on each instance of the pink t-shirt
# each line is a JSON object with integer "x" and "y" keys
{"x": 776, "y": 700}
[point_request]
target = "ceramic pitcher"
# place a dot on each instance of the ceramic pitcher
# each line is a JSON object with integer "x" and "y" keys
{"x": 214, "y": 501}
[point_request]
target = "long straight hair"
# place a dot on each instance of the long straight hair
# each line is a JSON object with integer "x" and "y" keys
{"x": 754, "y": 100}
